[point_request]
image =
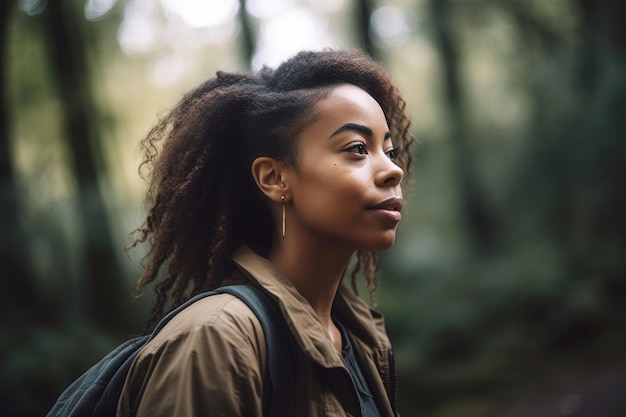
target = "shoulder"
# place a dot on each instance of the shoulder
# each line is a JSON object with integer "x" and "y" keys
{"x": 222, "y": 317}
{"x": 211, "y": 355}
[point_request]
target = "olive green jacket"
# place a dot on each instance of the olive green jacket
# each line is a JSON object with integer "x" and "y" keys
{"x": 210, "y": 358}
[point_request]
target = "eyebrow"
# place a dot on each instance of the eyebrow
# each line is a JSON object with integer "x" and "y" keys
{"x": 359, "y": 128}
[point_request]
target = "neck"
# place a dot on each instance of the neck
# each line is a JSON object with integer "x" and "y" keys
{"x": 315, "y": 270}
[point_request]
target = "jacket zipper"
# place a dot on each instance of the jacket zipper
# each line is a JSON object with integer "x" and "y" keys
{"x": 394, "y": 383}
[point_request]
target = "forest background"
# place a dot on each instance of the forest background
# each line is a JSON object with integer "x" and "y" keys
{"x": 506, "y": 289}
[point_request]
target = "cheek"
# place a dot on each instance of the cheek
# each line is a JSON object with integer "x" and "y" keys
{"x": 328, "y": 181}
{"x": 334, "y": 189}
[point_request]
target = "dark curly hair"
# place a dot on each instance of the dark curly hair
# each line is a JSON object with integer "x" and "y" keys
{"x": 202, "y": 201}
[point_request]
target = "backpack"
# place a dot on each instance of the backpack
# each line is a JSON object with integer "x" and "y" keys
{"x": 96, "y": 392}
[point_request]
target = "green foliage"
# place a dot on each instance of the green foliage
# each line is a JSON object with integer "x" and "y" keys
{"x": 479, "y": 327}
{"x": 40, "y": 362}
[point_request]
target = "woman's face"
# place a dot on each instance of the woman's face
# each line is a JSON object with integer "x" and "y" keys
{"x": 346, "y": 191}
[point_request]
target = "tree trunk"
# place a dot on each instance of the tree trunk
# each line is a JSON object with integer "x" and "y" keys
{"x": 21, "y": 302}
{"x": 67, "y": 46}
{"x": 364, "y": 33}
{"x": 478, "y": 217}
{"x": 248, "y": 42}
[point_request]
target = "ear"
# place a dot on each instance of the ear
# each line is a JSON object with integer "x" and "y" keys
{"x": 271, "y": 177}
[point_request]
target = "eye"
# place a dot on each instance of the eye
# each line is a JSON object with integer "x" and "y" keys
{"x": 358, "y": 148}
{"x": 392, "y": 154}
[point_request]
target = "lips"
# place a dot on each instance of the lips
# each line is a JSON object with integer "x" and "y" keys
{"x": 391, "y": 204}
{"x": 389, "y": 209}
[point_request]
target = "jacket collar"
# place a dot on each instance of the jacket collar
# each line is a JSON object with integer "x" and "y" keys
{"x": 360, "y": 321}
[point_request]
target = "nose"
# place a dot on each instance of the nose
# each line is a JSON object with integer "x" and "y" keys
{"x": 388, "y": 172}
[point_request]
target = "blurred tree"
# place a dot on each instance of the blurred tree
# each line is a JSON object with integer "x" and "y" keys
{"x": 479, "y": 216}
{"x": 248, "y": 39}
{"x": 570, "y": 179}
{"x": 602, "y": 84}
{"x": 21, "y": 302}
{"x": 23, "y": 307}
{"x": 363, "y": 29}
{"x": 551, "y": 306}
{"x": 68, "y": 46}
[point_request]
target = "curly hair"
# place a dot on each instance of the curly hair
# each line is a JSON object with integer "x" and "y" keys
{"x": 208, "y": 142}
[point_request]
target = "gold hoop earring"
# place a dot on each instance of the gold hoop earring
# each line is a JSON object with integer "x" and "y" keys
{"x": 282, "y": 198}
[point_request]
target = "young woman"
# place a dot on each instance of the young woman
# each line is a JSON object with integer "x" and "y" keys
{"x": 277, "y": 179}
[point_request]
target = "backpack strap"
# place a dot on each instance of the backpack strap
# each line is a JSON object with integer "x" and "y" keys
{"x": 279, "y": 393}
{"x": 279, "y": 381}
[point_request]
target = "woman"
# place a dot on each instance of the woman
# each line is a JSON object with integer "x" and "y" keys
{"x": 276, "y": 179}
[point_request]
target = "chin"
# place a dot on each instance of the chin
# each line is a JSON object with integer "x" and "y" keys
{"x": 382, "y": 244}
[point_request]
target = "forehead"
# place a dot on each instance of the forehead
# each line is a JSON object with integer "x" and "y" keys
{"x": 347, "y": 100}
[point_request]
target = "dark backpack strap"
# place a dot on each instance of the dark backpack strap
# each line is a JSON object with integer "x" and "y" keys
{"x": 279, "y": 385}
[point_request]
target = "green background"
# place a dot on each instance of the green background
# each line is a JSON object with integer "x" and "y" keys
{"x": 506, "y": 290}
